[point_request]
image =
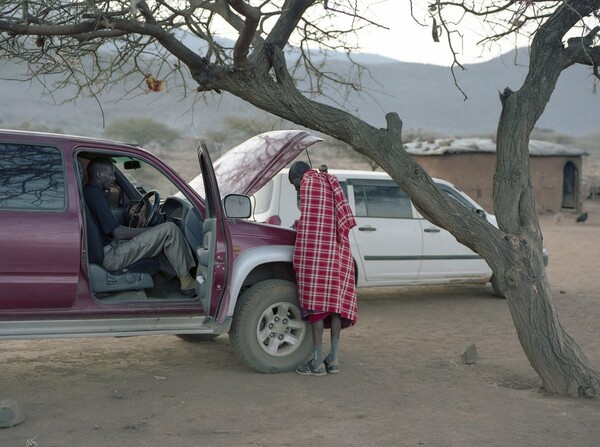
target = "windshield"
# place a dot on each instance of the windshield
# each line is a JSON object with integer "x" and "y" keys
{"x": 145, "y": 177}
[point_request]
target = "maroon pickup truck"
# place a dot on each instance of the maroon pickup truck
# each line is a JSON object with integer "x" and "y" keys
{"x": 52, "y": 284}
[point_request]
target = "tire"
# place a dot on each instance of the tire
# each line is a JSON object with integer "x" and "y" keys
{"x": 496, "y": 287}
{"x": 267, "y": 332}
{"x": 197, "y": 338}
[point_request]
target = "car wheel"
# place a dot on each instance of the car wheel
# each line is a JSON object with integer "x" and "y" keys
{"x": 197, "y": 338}
{"x": 496, "y": 287}
{"x": 268, "y": 333}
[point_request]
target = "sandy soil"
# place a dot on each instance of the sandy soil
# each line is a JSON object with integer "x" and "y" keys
{"x": 401, "y": 382}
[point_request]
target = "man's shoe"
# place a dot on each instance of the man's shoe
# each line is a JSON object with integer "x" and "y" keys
{"x": 310, "y": 370}
{"x": 189, "y": 293}
{"x": 332, "y": 366}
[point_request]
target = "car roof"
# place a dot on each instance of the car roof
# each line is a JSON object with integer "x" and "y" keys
{"x": 49, "y": 137}
{"x": 344, "y": 174}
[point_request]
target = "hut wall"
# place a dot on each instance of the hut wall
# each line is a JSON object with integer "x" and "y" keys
{"x": 474, "y": 174}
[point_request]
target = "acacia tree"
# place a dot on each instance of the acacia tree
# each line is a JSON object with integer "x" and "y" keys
{"x": 69, "y": 37}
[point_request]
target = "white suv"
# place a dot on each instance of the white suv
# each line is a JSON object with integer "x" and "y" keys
{"x": 392, "y": 243}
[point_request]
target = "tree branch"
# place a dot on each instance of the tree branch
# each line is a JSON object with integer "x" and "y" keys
{"x": 252, "y": 17}
{"x": 580, "y": 50}
{"x": 49, "y": 30}
{"x": 291, "y": 13}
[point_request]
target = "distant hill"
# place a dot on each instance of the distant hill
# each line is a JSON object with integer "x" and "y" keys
{"x": 424, "y": 96}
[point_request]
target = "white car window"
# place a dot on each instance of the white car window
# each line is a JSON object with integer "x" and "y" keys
{"x": 386, "y": 201}
{"x": 456, "y": 196}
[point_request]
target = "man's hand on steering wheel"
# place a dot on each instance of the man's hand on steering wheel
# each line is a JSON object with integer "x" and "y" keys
{"x": 143, "y": 214}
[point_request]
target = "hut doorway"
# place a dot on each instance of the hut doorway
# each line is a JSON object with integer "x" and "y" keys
{"x": 570, "y": 189}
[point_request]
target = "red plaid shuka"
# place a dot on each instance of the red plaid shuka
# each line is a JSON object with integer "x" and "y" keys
{"x": 322, "y": 256}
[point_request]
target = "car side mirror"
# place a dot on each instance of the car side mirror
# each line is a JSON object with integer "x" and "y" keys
{"x": 237, "y": 206}
{"x": 481, "y": 213}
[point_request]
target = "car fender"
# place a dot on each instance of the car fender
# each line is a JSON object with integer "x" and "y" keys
{"x": 249, "y": 260}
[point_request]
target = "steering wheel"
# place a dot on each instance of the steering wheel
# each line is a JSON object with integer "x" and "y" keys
{"x": 143, "y": 214}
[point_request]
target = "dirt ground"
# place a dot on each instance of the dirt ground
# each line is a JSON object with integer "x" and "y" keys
{"x": 401, "y": 383}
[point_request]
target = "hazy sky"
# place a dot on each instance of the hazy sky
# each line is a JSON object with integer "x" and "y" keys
{"x": 408, "y": 41}
{"x": 400, "y": 37}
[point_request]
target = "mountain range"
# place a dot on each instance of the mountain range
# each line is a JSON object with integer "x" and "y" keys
{"x": 425, "y": 96}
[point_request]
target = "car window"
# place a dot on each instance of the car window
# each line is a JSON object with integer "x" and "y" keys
{"x": 31, "y": 178}
{"x": 344, "y": 187}
{"x": 456, "y": 196}
{"x": 381, "y": 200}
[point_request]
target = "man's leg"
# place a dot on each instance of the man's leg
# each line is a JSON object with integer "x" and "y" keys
{"x": 317, "y": 330}
{"x": 315, "y": 366}
{"x": 331, "y": 362}
{"x": 336, "y": 329}
{"x": 165, "y": 238}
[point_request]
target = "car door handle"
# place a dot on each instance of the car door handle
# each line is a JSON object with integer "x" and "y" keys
{"x": 367, "y": 229}
{"x": 431, "y": 230}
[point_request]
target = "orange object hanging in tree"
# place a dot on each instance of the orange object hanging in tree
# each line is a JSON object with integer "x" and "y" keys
{"x": 154, "y": 85}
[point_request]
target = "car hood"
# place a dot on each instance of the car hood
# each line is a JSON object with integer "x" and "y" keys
{"x": 249, "y": 166}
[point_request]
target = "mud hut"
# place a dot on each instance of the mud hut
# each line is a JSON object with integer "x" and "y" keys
{"x": 469, "y": 163}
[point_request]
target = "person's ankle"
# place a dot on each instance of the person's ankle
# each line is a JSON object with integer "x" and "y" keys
{"x": 187, "y": 282}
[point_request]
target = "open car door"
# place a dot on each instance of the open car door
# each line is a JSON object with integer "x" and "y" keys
{"x": 214, "y": 256}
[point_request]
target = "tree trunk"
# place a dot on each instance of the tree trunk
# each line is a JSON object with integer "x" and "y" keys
{"x": 553, "y": 354}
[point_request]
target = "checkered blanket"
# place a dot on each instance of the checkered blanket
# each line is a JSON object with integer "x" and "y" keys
{"x": 322, "y": 256}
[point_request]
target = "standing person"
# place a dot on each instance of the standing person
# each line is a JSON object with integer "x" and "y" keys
{"x": 124, "y": 245}
{"x": 323, "y": 262}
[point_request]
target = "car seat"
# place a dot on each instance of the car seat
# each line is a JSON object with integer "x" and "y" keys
{"x": 137, "y": 276}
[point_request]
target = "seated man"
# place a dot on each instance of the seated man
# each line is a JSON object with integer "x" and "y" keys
{"x": 123, "y": 245}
